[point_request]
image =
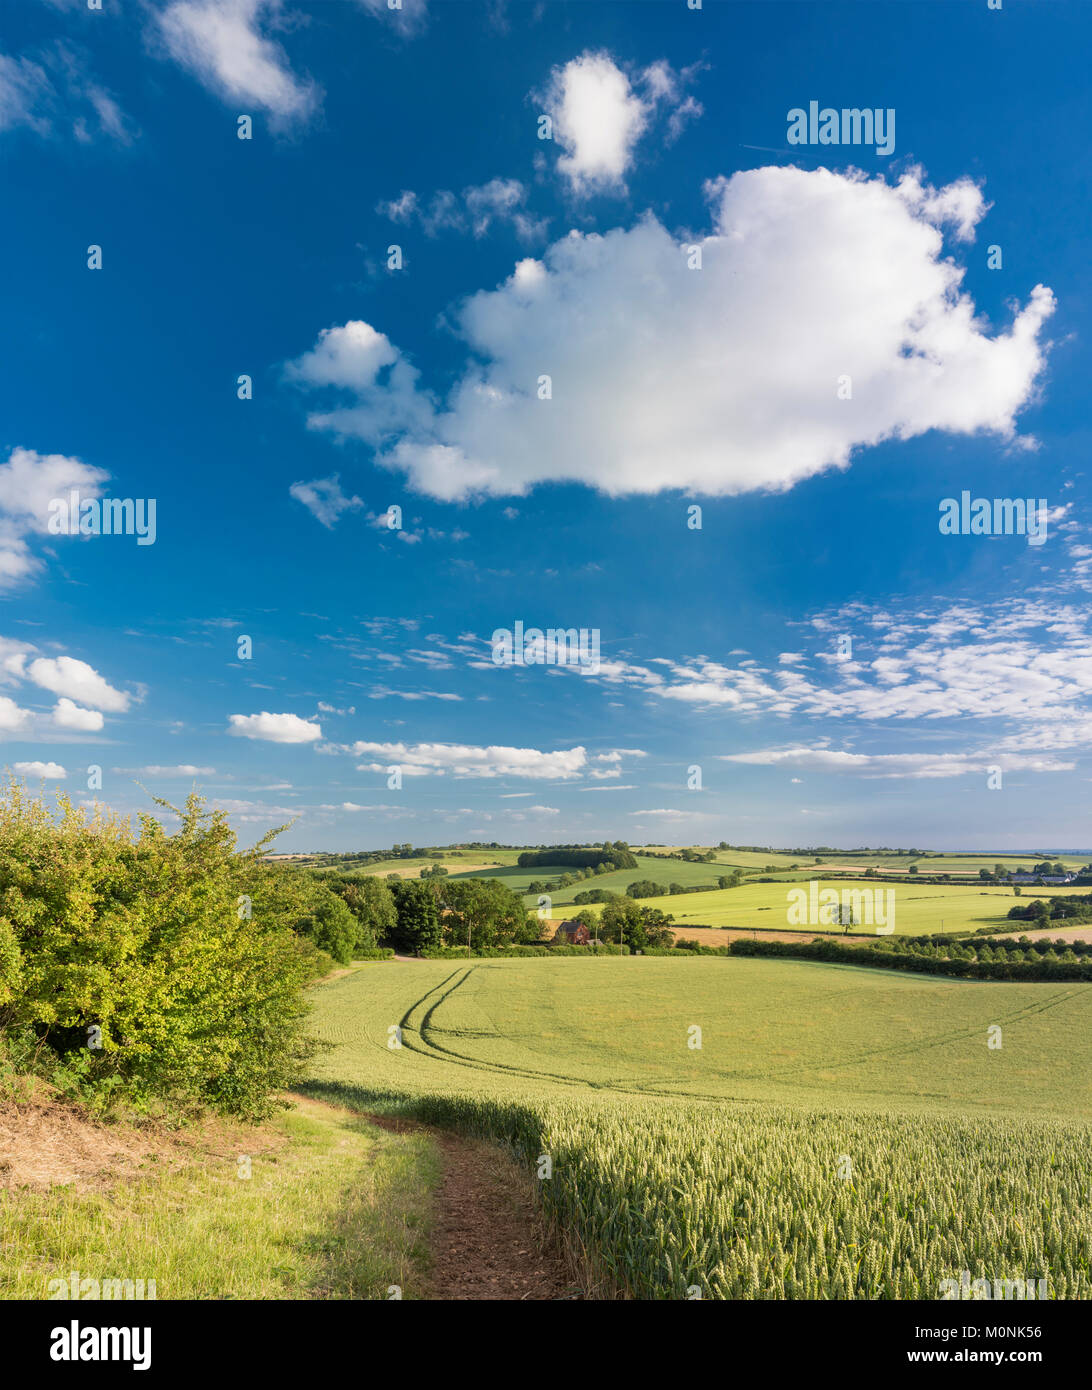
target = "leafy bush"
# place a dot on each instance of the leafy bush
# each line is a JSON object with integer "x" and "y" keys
{"x": 144, "y": 970}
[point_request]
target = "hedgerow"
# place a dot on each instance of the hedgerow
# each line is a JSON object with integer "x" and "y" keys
{"x": 137, "y": 962}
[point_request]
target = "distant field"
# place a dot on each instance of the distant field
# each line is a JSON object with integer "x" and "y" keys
{"x": 455, "y": 861}
{"x": 927, "y": 863}
{"x": 918, "y": 907}
{"x": 657, "y": 870}
{"x": 740, "y": 858}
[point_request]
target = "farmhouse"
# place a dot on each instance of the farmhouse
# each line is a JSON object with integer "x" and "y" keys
{"x": 572, "y": 934}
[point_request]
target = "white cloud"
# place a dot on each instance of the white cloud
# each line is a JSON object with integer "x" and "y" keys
{"x": 68, "y": 715}
{"x": 467, "y": 760}
{"x": 716, "y": 381}
{"x": 1024, "y": 661}
{"x": 223, "y": 43}
{"x": 53, "y": 93}
{"x": 597, "y": 120}
{"x": 53, "y": 771}
{"x": 29, "y": 481}
{"x": 65, "y": 675}
{"x": 274, "y": 728}
{"x": 888, "y": 765}
{"x": 178, "y": 770}
{"x": 324, "y": 499}
{"x": 475, "y": 210}
{"x": 12, "y": 718}
{"x": 25, "y": 91}
{"x": 253, "y": 812}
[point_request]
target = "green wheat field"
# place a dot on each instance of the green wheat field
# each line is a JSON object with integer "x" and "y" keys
{"x": 837, "y": 1134}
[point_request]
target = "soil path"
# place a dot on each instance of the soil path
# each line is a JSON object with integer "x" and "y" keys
{"x": 488, "y": 1240}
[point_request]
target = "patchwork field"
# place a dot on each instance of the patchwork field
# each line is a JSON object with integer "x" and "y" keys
{"x": 657, "y": 870}
{"x": 454, "y": 860}
{"x": 838, "y": 1133}
{"x": 928, "y": 863}
{"x": 919, "y": 908}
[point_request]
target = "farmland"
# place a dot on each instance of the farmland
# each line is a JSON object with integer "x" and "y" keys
{"x": 927, "y": 862}
{"x": 454, "y": 860}
{"x": 919, "y": 908}
{"x": 657, "y": 870}
{"x": 837, "y": 1134}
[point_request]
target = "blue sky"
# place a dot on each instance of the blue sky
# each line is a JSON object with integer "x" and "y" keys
{"x": 672, "y": 385}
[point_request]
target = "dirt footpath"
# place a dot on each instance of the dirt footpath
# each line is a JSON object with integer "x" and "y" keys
{"x": 488, "y": 1240}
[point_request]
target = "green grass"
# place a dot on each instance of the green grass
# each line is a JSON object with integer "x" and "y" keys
{"x": 839, "y": 1134}
{"x": 657, "y": 870}
{"x": 340, "y": 1210}
{"x": 738, "y": 858}
{"x": 788, "y": 1030}
{"x": 454, "y": 860}
{"x": 919, "y": 908}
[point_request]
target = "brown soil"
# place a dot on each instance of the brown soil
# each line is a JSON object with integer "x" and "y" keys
{"x": 1081, "y": 933}
{"x": 44, "y": 1143}
{"x": 720, "y": 936}
{"x": 488, "y": 1240}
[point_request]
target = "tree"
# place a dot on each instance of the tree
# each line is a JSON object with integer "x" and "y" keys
{"x": 371, "y": 902}
{"x": 484, "y": 912}
{"x": 620, "y": 923}
{"x": 418, "y": 925}
{"x": 625, "y": 922}
{"x": 912, "y": 869}
{"x": 332, "y": 927}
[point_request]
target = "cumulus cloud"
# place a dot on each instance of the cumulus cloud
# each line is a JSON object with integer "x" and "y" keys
{"x": 29, "y": 481}
{"x": 52, "y": 771}
{"x": 599, "y": 115}
{"x": 717, "y": 381}
{"x": 325, "y": 500}
{"x": 12, "y": 717}
{"x": 68, "y": 715}
{"x": 225, "y": 44}
{"x": 67, "y": 676}
{"x": 274, "y": 728}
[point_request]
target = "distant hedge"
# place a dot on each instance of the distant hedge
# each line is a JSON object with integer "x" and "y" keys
{"x": 617, "y": 855}
{"x": 888, "y": 958}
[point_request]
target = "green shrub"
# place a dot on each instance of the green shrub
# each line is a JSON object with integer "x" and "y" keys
{"x": 144, "y": 969}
